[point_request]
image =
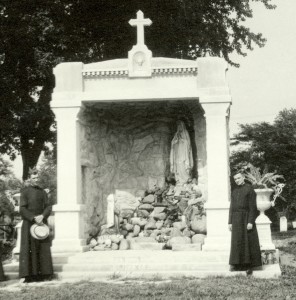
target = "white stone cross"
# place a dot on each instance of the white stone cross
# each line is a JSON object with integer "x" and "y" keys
{"x": 140, "y": 22}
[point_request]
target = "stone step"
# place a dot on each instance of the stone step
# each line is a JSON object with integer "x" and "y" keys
{"x": 14, "y": 268}
{"x": 11, "y": 268}
{"x": 75, "y": 276}
{"x": 12, "y": 275}
{"x": 143, "y": 260}
{"x": 156, "y": 267}
{"x": 72, "y": 272}
{"x": 269, "y": 271}
{"x": 141, "y": 256}
{"x": 60, "y": 259}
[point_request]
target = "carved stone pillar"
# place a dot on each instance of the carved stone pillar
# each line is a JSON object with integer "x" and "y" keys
{"x": 69, "y": 210}
{"x": 215, "y": 100}
{"x": 69, "y": 226}
{"x": 217, "y": 205}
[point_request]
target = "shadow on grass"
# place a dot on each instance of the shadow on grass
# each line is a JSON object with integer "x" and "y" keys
{"x": 277, "y": 235}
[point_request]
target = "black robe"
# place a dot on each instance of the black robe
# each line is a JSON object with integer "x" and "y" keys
{"x": 2, "y": 277}
{"x": 245, "y": 247}
{"x": 35, "y": 255}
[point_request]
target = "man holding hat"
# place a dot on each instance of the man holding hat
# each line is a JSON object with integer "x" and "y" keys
{"x": 245, "y": 248}
{"x": 35, "y": 256}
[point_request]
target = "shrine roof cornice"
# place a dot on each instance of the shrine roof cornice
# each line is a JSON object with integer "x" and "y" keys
{"x": 159, "y": 66}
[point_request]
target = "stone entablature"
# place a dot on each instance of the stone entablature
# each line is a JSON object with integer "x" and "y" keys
{"x": 160, "y": 66}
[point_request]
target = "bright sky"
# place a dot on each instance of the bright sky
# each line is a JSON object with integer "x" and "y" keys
{"x": 265, "y": 83}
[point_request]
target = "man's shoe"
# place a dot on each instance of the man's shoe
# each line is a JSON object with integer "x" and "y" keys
{"x": 249, "y": 272}
{"x": 26, "y": 280}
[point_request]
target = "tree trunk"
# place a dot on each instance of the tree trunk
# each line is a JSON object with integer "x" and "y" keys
{"x": 30, "y": 157}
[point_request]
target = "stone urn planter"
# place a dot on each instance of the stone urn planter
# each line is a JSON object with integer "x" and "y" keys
{"x": 263, "y": 203}
{"x": 262, "y": 222}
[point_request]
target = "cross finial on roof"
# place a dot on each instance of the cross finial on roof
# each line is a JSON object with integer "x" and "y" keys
{"x": 140, "y": 22}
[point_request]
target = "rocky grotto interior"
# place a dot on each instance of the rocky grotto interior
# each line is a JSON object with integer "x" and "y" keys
{"x": 133, "y": 185}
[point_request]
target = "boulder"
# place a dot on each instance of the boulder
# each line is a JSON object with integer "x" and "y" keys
{"x": 99, "y": 247}
{"x": 150, "y": 224}
{"x": 194, "y": 201}
{"x": 175, "y": 232}
{"x": 128, "y": 227}
{"x": 178, "y": 240}
{"x": 124, "y": 245}
{"x": 123, "y": 232}
{"x": 148, "y": 199}
{"x": 108, "y": 231}
{"x": 116, "y": 238}
{"x": 159, "y": 209}
{"x": 142, "y": 222}
{"x": 168, "y": 223}
{"x": 160, "y": 216}
{"x": 135, "y": 220}
{"x": 114, "y": 246}
{"x": 187, "y": 232}
{"x": 147, "y": 207}
{"x": 93, "y": 243}
{"x": 108, "y": 243}
{"x": 194, "y": 212}
{"x": 102, "y": 238}
{"x": 199, "y": 224}
{"x": 183, "y": 204}
{"x": 155, "y": 233}
{"x": 166, "y": 230}
{"x": 130, "y": 235}
{"x": 162, "y": 238}
{"x": 126, "y": 213}
{"x": 197, "y": 191}
{"x": 159, "y": 224}
{"x": 180, "y": 225}
{"x": 143, "y": 213}
{"x": 137, "y": 230}
{"x": 144, "y": 240}
{"x": 198, "y": 239}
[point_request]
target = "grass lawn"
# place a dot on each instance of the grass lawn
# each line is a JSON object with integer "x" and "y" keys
{"x": 290, "y": 234}
{"x": 238, "y": 287}
{"x": 289, "y": 241}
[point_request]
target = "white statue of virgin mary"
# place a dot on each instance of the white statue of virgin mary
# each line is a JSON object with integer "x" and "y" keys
{"x": 181, "y": 155}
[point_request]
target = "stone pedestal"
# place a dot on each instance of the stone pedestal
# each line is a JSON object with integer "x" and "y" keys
{"x": 69, "y": 229}
{"x": 264, "y": 232}
{"x": 16, "y": 250}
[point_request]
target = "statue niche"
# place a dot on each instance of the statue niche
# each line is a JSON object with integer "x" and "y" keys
{"x": 181, "y": 159}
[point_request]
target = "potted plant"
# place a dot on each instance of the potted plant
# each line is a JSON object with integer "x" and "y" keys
{"x": 265, "y": 184}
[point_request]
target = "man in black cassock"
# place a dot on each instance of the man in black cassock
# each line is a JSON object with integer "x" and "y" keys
{"x": 35, "y": 256}
{"x": 245, "y": 251}
{"x": 2, "y": 276}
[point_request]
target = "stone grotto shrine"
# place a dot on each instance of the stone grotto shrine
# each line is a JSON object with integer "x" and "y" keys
{"x": 142, "y": 152}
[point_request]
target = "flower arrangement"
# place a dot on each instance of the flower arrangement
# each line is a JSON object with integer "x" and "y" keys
{"x": 264, "y": 180}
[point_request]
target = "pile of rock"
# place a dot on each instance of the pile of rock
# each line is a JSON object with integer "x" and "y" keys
{"x": 172, "y": 216}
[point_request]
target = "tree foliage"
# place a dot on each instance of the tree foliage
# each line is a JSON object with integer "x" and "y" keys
{"x": 273, "y": 145}
{"x": 8, "y": 185}
{"x": 47, "y": 178}
{"x": 37, "y": 35}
